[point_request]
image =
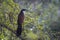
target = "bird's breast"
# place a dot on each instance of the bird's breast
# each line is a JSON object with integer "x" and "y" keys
{"x": 21, "y": 19}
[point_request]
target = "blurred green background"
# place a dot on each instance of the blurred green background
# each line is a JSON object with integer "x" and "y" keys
{"x": 43, "y": 23}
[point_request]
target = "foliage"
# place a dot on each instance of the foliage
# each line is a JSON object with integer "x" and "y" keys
{"x": 36, "y": 25}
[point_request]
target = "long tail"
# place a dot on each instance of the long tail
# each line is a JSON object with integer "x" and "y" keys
{"x": 19, "y": 30}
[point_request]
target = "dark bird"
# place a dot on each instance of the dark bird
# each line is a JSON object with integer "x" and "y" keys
{"x": 20, "y": 22}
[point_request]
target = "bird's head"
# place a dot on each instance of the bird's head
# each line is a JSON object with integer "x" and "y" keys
{"x": 23, "y": 10}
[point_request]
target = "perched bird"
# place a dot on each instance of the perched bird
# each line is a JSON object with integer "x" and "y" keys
{"x": 20, "y": 22}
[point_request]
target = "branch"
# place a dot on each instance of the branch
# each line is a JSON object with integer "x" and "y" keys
{"x": 3, "y": 25}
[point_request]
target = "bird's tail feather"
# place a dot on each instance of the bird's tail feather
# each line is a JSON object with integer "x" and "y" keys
{"x": 19, "y": 30}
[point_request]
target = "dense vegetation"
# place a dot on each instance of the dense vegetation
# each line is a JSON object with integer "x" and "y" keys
{"x": 42, "y": 23}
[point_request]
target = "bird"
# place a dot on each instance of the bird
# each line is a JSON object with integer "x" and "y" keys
{"x": 20, "y": 22}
